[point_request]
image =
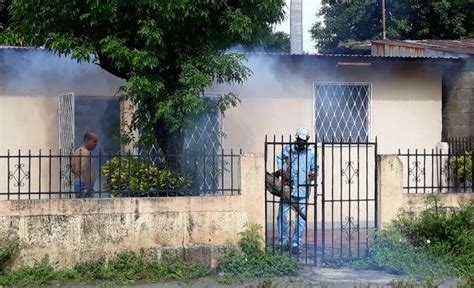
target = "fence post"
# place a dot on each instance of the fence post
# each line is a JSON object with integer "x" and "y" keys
{"x": 442, "y": 149}
{"x": 252, "y": 177}
{"x": 390, "y": 187}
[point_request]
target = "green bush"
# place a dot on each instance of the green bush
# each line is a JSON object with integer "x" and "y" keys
{"x": 253, "y": 260}
{"x": 462, "y": 165}
{"x": 136, "y": 177}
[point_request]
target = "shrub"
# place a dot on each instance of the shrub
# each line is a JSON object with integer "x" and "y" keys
{"x": 136, "y": 177}
{"x": 253, "y": 260}
{"x": 462, "y": 165}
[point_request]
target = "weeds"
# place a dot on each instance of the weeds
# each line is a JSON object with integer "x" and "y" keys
{"x": 436, "y": 243}
{"x": 126, "y": 267}
{"x": 253, "y": 261}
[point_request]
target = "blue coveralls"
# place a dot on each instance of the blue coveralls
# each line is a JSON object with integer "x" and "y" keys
{"x": 296, "y": 164}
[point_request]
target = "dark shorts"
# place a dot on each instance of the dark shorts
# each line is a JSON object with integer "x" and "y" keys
{"x": 80, "y": 190}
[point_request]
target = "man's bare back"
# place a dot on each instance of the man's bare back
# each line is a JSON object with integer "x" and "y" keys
{"x": 82, "y": 166}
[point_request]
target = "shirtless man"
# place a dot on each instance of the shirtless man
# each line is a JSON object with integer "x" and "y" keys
{"x": 82, "y": 167}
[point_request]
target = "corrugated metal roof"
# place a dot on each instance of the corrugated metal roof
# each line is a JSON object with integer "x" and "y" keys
{"x": 18, "y": 47}
{"x": 313, "y": 55}
{"x": 465, "y": 46}
{"x": 357, "y": 56}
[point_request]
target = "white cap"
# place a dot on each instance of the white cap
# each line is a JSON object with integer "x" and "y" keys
{"x": 302, "y": 133}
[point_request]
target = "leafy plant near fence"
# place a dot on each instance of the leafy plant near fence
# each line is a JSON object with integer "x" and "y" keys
{"x": 129, "y": 176}
{"x": 253, "y": 260}
{"x": 436, "y": 243}
{"x": 462, "y": 165}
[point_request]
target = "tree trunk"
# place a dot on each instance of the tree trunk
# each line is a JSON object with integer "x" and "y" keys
{"x": 171, "y": 145}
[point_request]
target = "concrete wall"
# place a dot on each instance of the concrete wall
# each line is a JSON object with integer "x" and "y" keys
{"x": 71, "y": 230}
{"x": 458, "y": 103}
{"x": 393, "y": 199}
{"x": 405, "y": 105}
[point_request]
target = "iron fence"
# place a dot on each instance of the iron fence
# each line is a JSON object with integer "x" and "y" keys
{"x": 329, "y": 217}
{"x": 438, "y": 170}
{"x": 27, "y": 175}
{"x": 460, "y": 145}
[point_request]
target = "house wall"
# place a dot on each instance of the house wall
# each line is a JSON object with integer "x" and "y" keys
{"x": 278, "y": 98}
{"x": 28, "y": 124}
{"x": 30, "y": 81}
{"x": 458, "y": 87}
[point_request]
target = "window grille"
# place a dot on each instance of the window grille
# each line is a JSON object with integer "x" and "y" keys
{"x": 66, "y": 138}
{"x": 203, "y": 140}
{"x": 342, "y": 111}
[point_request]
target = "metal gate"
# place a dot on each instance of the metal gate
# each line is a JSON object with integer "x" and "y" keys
{"x": 337, "y": 214}
{"x": 66, "y": 125}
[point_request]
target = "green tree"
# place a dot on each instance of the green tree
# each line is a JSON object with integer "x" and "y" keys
{"x": 268, "y": 41}
{"x": 4, "y": 15}
{"x": 168, "y": 51}
{"x": 348, "y": 21}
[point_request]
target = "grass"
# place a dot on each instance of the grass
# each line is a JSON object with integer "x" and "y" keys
{"x": 252, "y": 261}
{"x": 121, "y": 270}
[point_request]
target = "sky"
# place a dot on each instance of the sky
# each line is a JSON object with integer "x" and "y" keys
{"x": 310, "y": 7}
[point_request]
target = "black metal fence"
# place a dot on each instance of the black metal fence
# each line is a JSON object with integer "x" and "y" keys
{"x": 438, "y": 170}
{"x": 460, "y": 145}
{"x": 328, "y": 219}
{"x": 102, "y": 175}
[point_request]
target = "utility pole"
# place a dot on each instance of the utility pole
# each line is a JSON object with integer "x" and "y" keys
{"x": 384, "y": 28}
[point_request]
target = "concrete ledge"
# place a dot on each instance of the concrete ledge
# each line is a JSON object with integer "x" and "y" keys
{"x": 416, "y": 202}
{"x": 118, "y": 205}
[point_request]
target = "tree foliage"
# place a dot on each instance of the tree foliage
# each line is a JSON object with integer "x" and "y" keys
{"x": 4, "y": 14}
{"x": 268, "y": 41}
{"x": 347, "y": 21}
{"x": 168, "y": 51}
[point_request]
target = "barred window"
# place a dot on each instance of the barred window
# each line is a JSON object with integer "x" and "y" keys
{"x": 342, "y": 111}
{"x": 203, "y": 142}
{"x": 206, "y": 131}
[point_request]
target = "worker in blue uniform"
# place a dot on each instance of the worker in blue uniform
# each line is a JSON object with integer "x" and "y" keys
{"x": 298, "y": 162}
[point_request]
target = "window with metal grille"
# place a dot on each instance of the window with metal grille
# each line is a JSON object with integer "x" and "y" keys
{"x": 205, "y": 133}
{"x": 342, "y": 111}
{"x": 203, "y": 144}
